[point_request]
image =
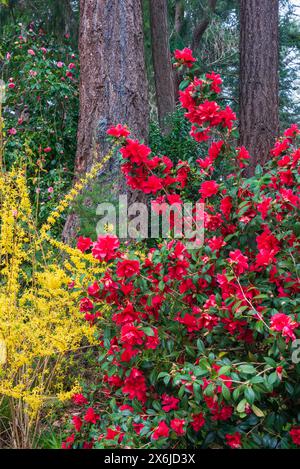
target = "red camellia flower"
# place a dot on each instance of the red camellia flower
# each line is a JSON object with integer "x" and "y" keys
{"x": 69, "y": 442}
{"x": 84, "y": 244}
{"x": 169, "y": 403}
{"x": 216, "y": 81}
{"x": 86, "y": 305}
{"x": 242, "y": 156}
{"x": 118, "y": 131}
{"x": 165, "y": 305}
{"x": 264, "y": 206}
{"x": 104, "y": 249}
{"x": 234, "y": 441}
{"x": 198, "y": 422}
{"x": 239, "y": 261}
{"x": 282, "y": 323}
{"x": 128, "y": 268}
{"x": 135, "y": 152}
{"x": 111, "y": 434}
{"x": 162, "y": 431}
{"x": 132, "y": 335}
{"x": 93, "y": 290}
{"x": 91, "y": 416}
{"x": 77, "y": 422}
{"x": 292, "y": 132}
{"x": 208, "y": 189}
{"x": 295, "y": 435}
{"x": 79, "y": 399}
{"x": 178, "y": 426}
{"x": 152, "y": 341}
{"x": 184, "y": 57}
{"x": 135, "y": 385}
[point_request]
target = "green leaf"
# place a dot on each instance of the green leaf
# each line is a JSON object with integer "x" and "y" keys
{"x": 236, "y": 394}
{"x": 148, "y": 331}
{"x": 247, "y": 369}
{"x": 226, "y": 393}
{"x": 272, "y": 378}
{"x": 258, "y": 412}
{"x": 249, "y": 395}
{"x": 184, "y": 84}
{"x": 241, "y": 406}
{"x": 224, "y": 370}
{"x": 210, "y": 390}
{"x": 200, "y": 346}
{"x": 162, "y": 374}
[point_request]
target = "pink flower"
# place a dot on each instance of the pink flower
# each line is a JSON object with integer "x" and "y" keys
{"x": 8, "y": 56}
{"x": 11, "y": 86}
{"x": 60, "y": 64}
{"x": 44, "y": 50}
{"x": 282, "y": 323}
{"x": 50, "y": 190}
{"x": 12, "y": 131}
{"x": 71, "y": 66}
{"x": 47, "y": 149}
{"x": 31, "y": 52}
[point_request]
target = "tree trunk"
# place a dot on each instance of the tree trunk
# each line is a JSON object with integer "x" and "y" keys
{"x": 163, "y": 71}
{"x": 259, "y": 78}
{"x": 179, "y": 16}
{"x": 113, "y": 83}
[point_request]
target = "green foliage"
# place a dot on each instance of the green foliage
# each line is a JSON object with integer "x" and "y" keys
{"x": 41, "y": 112}
{"x": 57, "y": 17}
{"x": 177, "y": 144}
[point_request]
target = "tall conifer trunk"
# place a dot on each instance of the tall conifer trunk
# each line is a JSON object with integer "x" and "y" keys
{"x": 259, "y": 77}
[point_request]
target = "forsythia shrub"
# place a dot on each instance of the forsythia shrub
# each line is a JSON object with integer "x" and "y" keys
{"x": 40, "y": 325}
{"x": 197, "y": 349}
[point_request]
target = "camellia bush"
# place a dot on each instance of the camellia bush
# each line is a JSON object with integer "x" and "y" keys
{"x": 199, "y": 346}
{"x": 40, "y": 112}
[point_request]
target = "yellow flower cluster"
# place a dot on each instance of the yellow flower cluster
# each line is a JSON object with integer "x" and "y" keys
{"x": 40, "y": 323}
